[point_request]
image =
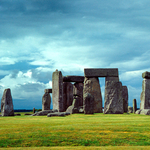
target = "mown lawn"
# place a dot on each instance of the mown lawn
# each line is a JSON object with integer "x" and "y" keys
{"x": 75, "y": 130}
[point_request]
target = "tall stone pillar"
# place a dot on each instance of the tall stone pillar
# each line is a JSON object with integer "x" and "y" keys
{"x": 92, "y": 86}
{"x": 134, "y": 106}
{"x": 67, "y": 94}
{"x": 113, "y": 98}
{"x": 46, "y": 101}
{"x": 145, "y": 95}
{"x": 57, "y": 91}
{"x": 7, "y": 104}
{"x": 125, "y": 98}
{"x": 78, "y": 91}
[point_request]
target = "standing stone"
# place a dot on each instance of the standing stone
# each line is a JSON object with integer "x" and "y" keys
{"x": 57, "y": 94}
{"x": 145, "y": 95}
{"x": 46, "y": 101}
{"x": 78, "y": 91}
{"x": 134, "y": 106}
{"x": 125, "y": 98}
{"x": 113, "y": 98}
{"x": 92, "y": 86}
{"x": 7, "y": 104}
{"x": 67, "y": 94}
{"x": 130, "y": 109}
{"x": 88, "y": 103}
{"x": 33, "y": 110}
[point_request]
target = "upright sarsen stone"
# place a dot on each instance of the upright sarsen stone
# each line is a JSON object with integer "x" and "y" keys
{"x": 78, "y": 91}
{"x": 125, "y": 98}
{"x": 113, "y": 98}
{"x": 67, "y": 94}
{"x": 57, "y": 91}
{"x": 46, "y": 101}
{"x": 92, "y": 86}
{"x": 7, "y": 104}
{"x": 145, "y": 95}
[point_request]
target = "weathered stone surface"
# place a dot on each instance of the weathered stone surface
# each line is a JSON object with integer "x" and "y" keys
{"x": 71, "y": 109}
{"x": 130, "y": 109}
{"x": 42, "y": 113}
{"x": 78, "y": 91}
{"x": 113, "y": 98}
{"x": 48, "y": 90}
{"x": 46, "y": 101}
{"x": 79, "y": 79}
{"x": 146, "y": 75}
{"x": 67, "y": 94}
{"x": 33, "y": 110}
{"x": 60, "y": 114}
{"x": 88, "y": 103}
{"x": 145, "y": 95}
{"x": 57, "y": 95}
{"x": 101, "y": 72}
{"x": 145, "y": 112}
{"x": 134, "y": 106}
{"x": 92, "y": 86}
{"x": 125, "y": 98}
{"x": 115, "y": 79}
{"x": 138, "y": 111}
{"x": 7, "y": 104}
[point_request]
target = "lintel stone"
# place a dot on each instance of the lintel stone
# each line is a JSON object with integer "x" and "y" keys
{"x": 73, "y": 79}
{"x": 101, "y": 72}
{"x": 48, "y": 90}
{"x": 146, "y": 75}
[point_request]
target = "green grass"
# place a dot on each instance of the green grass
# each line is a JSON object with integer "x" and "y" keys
{"x": 75, "y": 130}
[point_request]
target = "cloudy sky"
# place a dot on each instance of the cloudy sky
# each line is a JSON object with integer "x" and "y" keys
{"x": 37, "y": 37}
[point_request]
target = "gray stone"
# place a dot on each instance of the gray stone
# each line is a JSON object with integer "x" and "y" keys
{"x": 79, "y": 79}
{"x": 33, "y": 110}
{"x": 71, "y": 110}
{"x": 48, "y": 90}
{"x": 88, "y": 103}
{"x": 130, "y": 109}
{"x": 145, "y": 95}
{"x": 113, "y": 98}
{"x": 134, "y": 106}
{"x": 101, "y": 72}
{"x": 92, "y": 86}
{"x": 146, "y": 75}
{"x": 7, "y": 104}
{"x": 55, "y": 110}
{"x": 60, "y": 114}
{"x": 125, "y": 98}
{"x": 145, "y": 112}
{"x": 17, "y": 114}
{"x": 57, "y": 95}
{"x": 138, "y": 111}
{"x": 42, "y": 113}
{"x": 46, "y": 101}
{"x": 67, "y": 94}
{"x": 78, "y": 91}
{"x": 115, "y": 79}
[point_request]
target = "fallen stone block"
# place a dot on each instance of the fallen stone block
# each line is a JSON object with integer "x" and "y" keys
{"x": 145, "y": 112}
{"x": 42, "y": 113}
{"x": 138, "y": 111}
{"x": 59, "y": 114}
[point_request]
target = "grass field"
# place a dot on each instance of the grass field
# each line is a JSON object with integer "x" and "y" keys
{"x": 76, "y": 130}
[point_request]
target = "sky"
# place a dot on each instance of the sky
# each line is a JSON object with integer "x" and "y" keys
{"x": 37, "y": 37}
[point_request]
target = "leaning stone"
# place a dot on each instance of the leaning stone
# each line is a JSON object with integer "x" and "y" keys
{"x": 145, "y": 112}
{"x": 130, "y": 109}
{"x": 57, "y": 86}
{"x": 46, "y": 101}
{"x": 78, "y": 91}
{"x": 48, "y": 90}
{"x": 67, "y": 94}
{"x": 88, "y": 103}
{"x": 138, "y": 111}
{"x": 125, "y": 98}
{"x": 7, "y": 104}
{"x": 79, "y": 79}
{"x": 42, "y": 113}
{"x": 113, "y": 98}
{"x": 134, "y": 105}
{"x": 145, "y": 100}
{"x": 70, "y": 109}
{"x": 92, "y": 86}
{"x": 146, "y": 75}
{"x": 101, "y": 72}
